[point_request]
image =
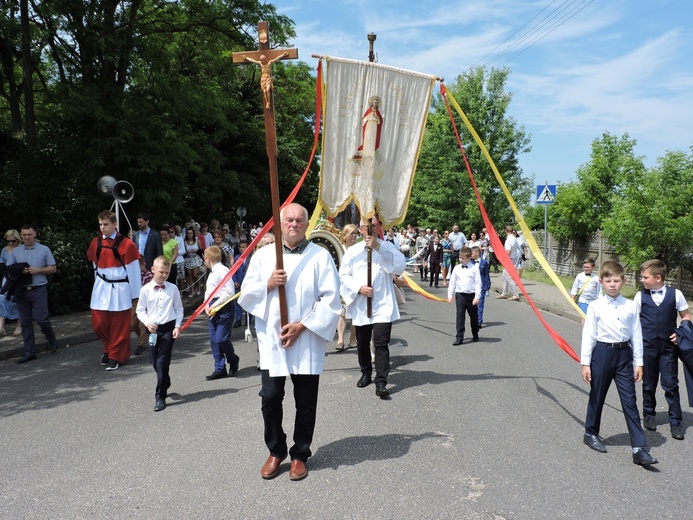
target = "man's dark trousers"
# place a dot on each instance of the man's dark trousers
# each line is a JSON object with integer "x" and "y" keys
{"x": 33, "y": 305}
{"x": 381, "y": 339}
{"x": 306, "y": 400}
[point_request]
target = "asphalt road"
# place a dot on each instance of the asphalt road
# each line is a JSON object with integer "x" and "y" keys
{"x": 488, "y": 430}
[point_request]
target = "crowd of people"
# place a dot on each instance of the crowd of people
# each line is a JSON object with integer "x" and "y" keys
{"x": 299, "y": 305}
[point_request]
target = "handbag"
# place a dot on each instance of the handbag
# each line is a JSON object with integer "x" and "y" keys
{"x": 405, "y": 248}
{"x": 399, "y": 295}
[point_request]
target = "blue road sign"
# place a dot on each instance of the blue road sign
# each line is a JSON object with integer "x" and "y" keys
{"x": 546, "y": 194}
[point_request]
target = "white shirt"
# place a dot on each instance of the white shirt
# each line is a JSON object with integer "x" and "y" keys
{"x": 216, "y": 275}
{"x": 458, "y": 239}
{"x": 511, "y": 247}
{"x": 591, "y": 291}
{"x": 312, "y": 298}
{"x": 658, "y": 298}
{"x": 160, "y": 305}
{"x": 353, "y": 274}
{"x": 612, "y": 320}
{"x": 465, "y": 279}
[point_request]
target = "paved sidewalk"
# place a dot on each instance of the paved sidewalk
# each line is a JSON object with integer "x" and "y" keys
{"x": 70, "y": 330}
{"x": 75, "y": 329}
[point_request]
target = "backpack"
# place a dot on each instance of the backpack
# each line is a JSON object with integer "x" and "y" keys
{"x": 99, "y": 246}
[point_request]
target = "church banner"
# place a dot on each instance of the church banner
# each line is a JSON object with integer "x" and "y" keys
{"x": 373, "y": 126}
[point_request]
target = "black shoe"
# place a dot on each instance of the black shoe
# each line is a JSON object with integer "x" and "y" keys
{"x": 643, "y": 458}
{"x": 233, "y": 366}
{"x": 31, "y": 357}
{"x": 217, "y": 374}
{"x": 160, "y": 404}
{"x": 53, "y": 346}
{"x": 677, "y": 432}
{"x": 475, "y": 338}
{"x": 649, "y": 423}
{"x": 457, "y": 342}
{"x": 141, "y": 349}
{"x": 481, "y": 326}
{"x": 104, "y": 360}
{"x": 112, "y": 365}
{"x": 237, "y": 324}
{"x": 364, "y": 381}
{"x": 436, "y": 286}
{"x": 594, "y": 442}
{"x": 381, "y": 391}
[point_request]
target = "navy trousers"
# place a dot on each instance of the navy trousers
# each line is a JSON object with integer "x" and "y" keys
{"x": 660, "y": 360}
{"x": 613, "y": 364}
{"x": 33, "y": 305}
{"x": 220, "y": 327}
{"x": 306, "y": 400}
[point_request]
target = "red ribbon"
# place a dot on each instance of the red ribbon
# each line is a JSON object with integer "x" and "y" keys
{"x": 289, "y": 200}
{"x": 498, "y": 247}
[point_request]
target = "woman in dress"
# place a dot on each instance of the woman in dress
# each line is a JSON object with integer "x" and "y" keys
{"x": 8, "y": 308}
{"x": 404, "y": 243}
{"x": 193, "y": 262}
{"x": 170, "y": 246}
{"x": 446, "y": 244}
{"x": 179, "y": 237}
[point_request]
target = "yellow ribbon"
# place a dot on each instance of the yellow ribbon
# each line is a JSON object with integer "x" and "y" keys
{"x": 536, "y": 252}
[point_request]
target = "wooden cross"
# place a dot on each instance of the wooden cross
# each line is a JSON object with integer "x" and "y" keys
{"x": 265, "y": 57}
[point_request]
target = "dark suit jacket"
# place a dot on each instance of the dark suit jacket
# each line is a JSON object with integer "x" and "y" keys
{"x": 152, "y": 248}
{"x": 434, "y": 257}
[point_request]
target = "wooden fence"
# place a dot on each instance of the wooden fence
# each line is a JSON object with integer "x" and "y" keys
{"x": 566, "y": 258}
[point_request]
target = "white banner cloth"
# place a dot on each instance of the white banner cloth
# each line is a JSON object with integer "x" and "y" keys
{"x": 373, "y": 125}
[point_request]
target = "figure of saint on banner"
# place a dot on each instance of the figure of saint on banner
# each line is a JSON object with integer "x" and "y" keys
{"x": 367, "y": 157}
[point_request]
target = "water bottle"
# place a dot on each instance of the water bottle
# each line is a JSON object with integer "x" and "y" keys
{"x": 152, "y": 337}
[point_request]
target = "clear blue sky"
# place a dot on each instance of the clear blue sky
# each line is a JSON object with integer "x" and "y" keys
{"x": 579, "y": 68}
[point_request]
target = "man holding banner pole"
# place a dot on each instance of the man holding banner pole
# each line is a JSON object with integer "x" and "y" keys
{"x": 386, "y": 261}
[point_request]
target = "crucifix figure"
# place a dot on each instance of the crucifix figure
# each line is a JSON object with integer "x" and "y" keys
{"x": 265, "y": 57}
{"x": 266, "y": 78}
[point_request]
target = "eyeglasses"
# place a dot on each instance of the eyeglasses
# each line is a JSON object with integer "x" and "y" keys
{"x": 13, "y": 241}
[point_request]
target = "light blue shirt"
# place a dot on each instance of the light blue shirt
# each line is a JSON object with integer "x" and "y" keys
{"x": 142, "y": 240}
{"x": 36, "y": 256}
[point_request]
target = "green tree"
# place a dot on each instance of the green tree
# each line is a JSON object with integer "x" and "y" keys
{"x": 652, "y": 217}
{"x": 581, "y": 207}
{"x": 442, "y": 194}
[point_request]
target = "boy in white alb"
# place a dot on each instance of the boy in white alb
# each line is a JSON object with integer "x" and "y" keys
{"x": 160, "y": 309}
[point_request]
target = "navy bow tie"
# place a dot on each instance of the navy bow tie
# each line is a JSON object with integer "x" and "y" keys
{"x": 157, "y": 287}
{"x": 658, "y": 291}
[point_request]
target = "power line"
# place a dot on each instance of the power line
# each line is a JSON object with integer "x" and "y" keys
{"x": 549, "y": 31}
{"x": 546, "y": 25}
{"x": 513, "y": 34}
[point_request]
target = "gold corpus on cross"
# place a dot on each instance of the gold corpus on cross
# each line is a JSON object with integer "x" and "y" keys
{"x": 265, "y": 57}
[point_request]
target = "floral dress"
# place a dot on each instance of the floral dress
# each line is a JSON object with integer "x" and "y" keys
{"x": 192, "y": 259}
{"x": 8, "y": 308}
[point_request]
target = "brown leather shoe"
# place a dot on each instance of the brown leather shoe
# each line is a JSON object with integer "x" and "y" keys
{"x": 271, "y": 467}
{"x": 298, "y": 470}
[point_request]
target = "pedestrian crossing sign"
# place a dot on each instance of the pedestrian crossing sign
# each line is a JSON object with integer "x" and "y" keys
{"x": 546, "y": 194}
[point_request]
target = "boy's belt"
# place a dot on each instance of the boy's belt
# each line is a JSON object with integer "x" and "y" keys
{"x": 623, "y": 344}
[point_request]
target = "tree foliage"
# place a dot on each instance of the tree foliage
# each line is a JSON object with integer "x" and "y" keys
{"x": 580, "y": 207}
{"x": 144, "y": 91}
{"x": 652, "y": 216}
{"x": 442, "y": 193}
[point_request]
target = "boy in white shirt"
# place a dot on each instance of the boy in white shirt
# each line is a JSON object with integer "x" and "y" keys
{"x": 220, "y": 325}
{"x": 465, "y": 287}
{"x": 612, "y": 351}
{"x": 586, "y": 286}
{"x": 160, "y": 309}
